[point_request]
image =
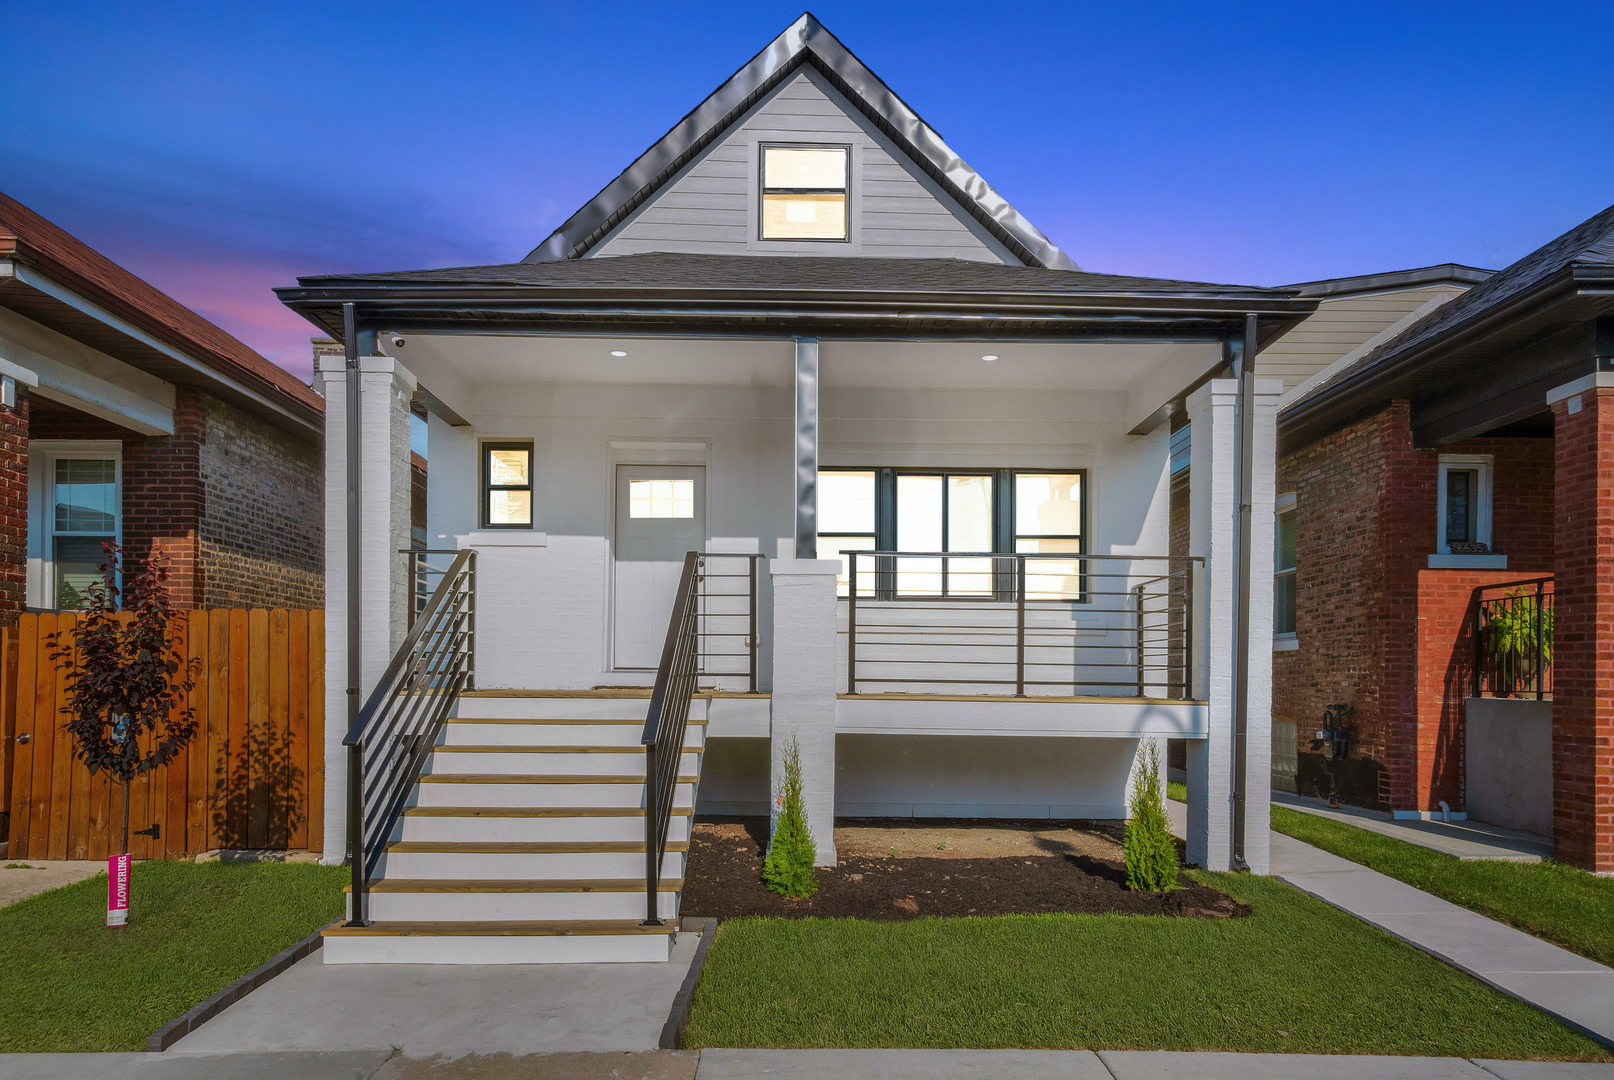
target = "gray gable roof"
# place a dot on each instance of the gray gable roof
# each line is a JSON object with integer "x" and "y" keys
{"x": 674, "y": 271}
{"x": 804, "y": 42}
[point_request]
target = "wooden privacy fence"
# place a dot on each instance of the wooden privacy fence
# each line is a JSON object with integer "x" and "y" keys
{"x": 253, "y": 777}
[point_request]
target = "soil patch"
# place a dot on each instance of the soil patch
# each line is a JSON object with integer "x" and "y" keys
{"x": 1032, "y": 877}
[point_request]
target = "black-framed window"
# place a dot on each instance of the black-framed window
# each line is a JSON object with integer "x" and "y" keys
{"x": 990, "y": 511}
{"x": 507, "y": 485}
{"x": 805, "y": 192}
{"x": 1285, "y": 559}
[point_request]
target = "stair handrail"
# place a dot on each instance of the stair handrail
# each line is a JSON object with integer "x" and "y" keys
{"x": 665, "y": 724}
{"x": 396, "y": 729}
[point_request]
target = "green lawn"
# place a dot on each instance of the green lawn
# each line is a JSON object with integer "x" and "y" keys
{"x": 1550, "y": 900}
{"x": 68, "y": 983}
{"x": 1297, "y": 976}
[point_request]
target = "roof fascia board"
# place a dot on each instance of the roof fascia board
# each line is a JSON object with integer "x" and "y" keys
{"x": 1326, "y": 408}
{"x": 1394, "y": 279}
{"x": 803, "y": 41}
{"x": 33, "y": 280}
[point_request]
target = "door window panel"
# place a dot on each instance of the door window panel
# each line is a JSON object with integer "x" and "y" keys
{"x": 661, "y": 498}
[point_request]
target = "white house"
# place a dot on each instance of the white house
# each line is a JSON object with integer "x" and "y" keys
{"x": 798, "y": 327}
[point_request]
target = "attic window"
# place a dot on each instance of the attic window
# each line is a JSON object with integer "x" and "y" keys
{"x": 804, "y": 192}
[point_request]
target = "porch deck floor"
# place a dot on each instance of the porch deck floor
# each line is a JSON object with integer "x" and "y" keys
{"x": 1463, "y": 839}
{"x": 1079, "y": 699}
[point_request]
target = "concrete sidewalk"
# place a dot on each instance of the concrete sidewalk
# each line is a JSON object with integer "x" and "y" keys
{"x": 386, "y": 1064}
{"x": 1462, "y": 839}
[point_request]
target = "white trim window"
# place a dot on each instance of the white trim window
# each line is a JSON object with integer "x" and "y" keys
{"x": 78, "y": 506}
{"x": 1285, "y": 550}
{"x": 1463, "y": 514}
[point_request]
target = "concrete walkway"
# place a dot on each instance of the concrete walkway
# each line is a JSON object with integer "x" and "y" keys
{"x": 1556, "y": 981}
{"x": 21, "y": 878}
{"x": 1464, "y": 839}
{"x": 451, "y": 1009}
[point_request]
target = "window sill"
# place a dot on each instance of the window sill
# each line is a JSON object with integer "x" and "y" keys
{"x": 1468, "y": 562}
{"x": 1285, "y": 642}
{"x": 515, "y": 537}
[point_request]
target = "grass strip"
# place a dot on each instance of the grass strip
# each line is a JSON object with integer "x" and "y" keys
{"x": 69, "y": 983}
{"x": 1553, "y": 901}
{"x": 1297, "y": 976}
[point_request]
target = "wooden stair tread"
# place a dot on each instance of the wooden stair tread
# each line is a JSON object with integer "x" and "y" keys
{"x": 542, "y": 778}
{"x": 529, "y": 847}
{"x": 486, "y": 885}
{"x": 537, "y": 811}
{"x": 692, "y": 722}
{"x": 546, "y": 928}
{"x": 635, "y": 748}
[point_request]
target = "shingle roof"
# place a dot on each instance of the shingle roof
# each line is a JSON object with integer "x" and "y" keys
{"x": 678, "y": 271}
{"x": 56, "y": 253}
{"x": 1591, "y": 243}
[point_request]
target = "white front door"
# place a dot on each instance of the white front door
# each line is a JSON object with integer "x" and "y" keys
{"x": 660, "y": 516}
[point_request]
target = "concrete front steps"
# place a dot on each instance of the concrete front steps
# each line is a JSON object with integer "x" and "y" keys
{"x": 524, "y": 841}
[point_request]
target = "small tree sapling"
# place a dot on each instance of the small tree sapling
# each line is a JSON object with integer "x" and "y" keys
{"x": 1151, "y": 853}
{"x": 789, "y": 867}
{"x": 126, "y": 676}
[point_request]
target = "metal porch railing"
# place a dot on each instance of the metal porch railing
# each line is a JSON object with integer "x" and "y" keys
{"x": 1031, "y": 624}
{"x": 666, "y": 722}
{"x": 1512, "y": 627}
{"x": 396, "y": 729}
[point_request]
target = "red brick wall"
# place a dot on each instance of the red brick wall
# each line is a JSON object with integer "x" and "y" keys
{"x": 1378, "y": 629}
{"x": 1583, "y": 633}
{"x": 161, "y": 491}
{"x": 233, "y": 503}
{"x": 13, "y": 509}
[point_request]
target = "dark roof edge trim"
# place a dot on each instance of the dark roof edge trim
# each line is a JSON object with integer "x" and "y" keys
{"x": 804, "y": 40}
{"x": 1394, "y": 279}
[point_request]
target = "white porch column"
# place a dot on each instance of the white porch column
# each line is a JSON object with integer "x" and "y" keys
{"x": 1212, "y": 530}
{"x": 803, "y": 703}
{"x": 385, "y": 389}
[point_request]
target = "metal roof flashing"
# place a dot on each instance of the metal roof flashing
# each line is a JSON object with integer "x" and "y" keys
{"x": 805, "y": 41}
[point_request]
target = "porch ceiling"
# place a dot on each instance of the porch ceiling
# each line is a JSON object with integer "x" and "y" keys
{"x": 1148, "y": 374}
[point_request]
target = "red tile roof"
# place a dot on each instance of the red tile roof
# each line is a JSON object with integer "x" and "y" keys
{"x": 52, "y": 251}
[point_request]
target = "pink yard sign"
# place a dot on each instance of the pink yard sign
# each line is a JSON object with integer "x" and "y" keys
{"x": 117, "y": 890}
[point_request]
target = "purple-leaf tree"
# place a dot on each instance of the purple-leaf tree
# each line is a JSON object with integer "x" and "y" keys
{"x": 126, "y": 676}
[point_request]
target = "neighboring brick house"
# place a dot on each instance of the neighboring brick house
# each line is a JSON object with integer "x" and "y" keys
{"x": 128, "y": 417}
{"x": 1470, "y": 456}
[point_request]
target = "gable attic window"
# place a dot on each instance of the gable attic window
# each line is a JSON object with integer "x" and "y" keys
{"x": 804, "y": 192}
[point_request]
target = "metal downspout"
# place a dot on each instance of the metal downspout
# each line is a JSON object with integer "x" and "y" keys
{"x": 1245, "y": 369}
{"x": 350, "y": 349}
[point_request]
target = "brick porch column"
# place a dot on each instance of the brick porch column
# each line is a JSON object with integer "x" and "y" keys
{"x": 803, "y": 702}
{"x": 1583, "y": 624}
{"x": 385, "y": 388}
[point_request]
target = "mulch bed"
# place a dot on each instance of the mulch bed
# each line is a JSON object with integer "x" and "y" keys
{"x": 724, "y": 881}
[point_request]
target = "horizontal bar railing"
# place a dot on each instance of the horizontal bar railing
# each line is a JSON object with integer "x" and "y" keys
{"x": 1026, "y": 624}
{"x": 726, "y": 641}
{"x": 400, "y": 721}
{"x": 1512, "y": 631}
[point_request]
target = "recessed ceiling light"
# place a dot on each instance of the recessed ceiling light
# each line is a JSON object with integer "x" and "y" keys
{"x": 990, "y": 356}
{"x": 618, "y": 352}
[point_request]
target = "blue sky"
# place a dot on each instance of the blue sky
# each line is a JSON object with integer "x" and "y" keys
{"x": 221, "y": 149}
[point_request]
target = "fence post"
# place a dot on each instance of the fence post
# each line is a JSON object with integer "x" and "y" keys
{"x": 355, "y": 833}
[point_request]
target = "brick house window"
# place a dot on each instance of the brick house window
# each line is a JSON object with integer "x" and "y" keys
{"x": 1463, "y": 514}
{"x": 76, "y": 507}
{"x": 1285, "y": 558}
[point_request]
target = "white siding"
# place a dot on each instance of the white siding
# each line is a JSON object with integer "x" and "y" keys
{"x": 711, "y": 206}
{"x": 1340, "y": 325}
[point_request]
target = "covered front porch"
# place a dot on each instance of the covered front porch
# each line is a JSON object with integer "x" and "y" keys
{"x": 934, "y": 552}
